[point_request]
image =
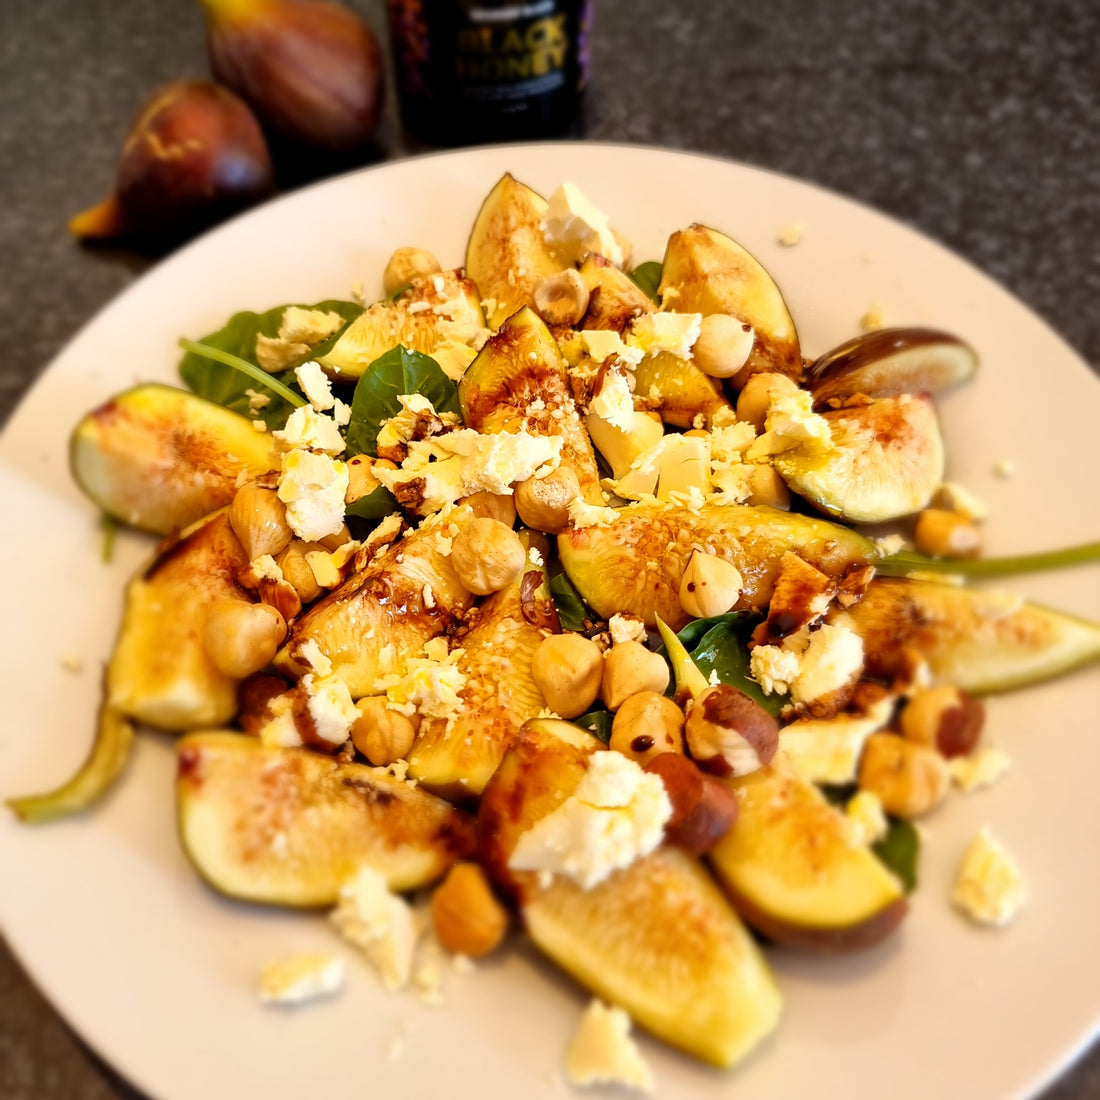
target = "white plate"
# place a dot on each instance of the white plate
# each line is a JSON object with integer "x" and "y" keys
{"x": 159, "y": 974}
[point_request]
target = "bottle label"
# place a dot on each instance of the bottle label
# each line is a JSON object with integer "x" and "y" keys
{"x": 511, "y": 52}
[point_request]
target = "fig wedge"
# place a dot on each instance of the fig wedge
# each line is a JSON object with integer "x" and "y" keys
{"x": 792, "y": 872}
{"x": 677, "y": 389}
{"x": 614, "y": 299}
{"x": 438, "y": 315}
{"x": 635, "y": 563}
{"x": 707, "y": 272}
{"x": 886, "y": 461}
{"x": 455, "y": 757}
{"x": 382, "y": 614}
{"x": 506, "y": 254}
{"x": 289, "y": 826}
{"x": 657, "y": 938}
{"x": 160, "y": 458}
{"x": 980, "y": 640}
{"x": 159, "y": 673}
{"x": 519, "y": 382}
{"x": 891, "y": 361}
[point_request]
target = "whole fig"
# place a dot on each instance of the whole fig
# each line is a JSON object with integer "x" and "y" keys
{"x": 311, "y": 70}
{"x": 194, "y": 155}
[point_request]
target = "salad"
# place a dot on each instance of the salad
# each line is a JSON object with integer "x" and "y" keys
{"x": 450, "y": 682}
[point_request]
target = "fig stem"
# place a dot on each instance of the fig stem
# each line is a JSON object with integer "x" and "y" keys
{"x": 908, "y": 561}
{"x": 109, "y": 526}
{"x": 103, "y": 221}
{"x": 257, "y": 374}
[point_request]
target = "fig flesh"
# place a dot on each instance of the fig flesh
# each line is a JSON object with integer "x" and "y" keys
{"x": 194, "y": 155}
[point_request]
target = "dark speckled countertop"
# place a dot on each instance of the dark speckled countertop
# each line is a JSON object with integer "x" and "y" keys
{"x": 979, "y": 124}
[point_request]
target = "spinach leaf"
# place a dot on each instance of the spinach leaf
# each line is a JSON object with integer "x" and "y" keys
{"x": 376, "y": 394}
{"x": 648, "y": 277}
{"x": 597, "y": 722}
{"x": 375, "y": 505}
{"x": 899, "y": 850}
{"x": 572, "y": 611}
{"x": 226, "y": 386}
{"x": 723, "y": 650}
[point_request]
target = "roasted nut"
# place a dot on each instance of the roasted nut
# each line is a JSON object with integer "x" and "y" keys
{"x": 487, "y": 555}
{"x": 729, "y": 733}
{"x": 562, "y": 298}
{"x": 630, "y": 668}
{"x": 646, "y": 725}
{"x": 543, "y": 502}
{"x": 297, "y": 571}
{"x": 943, "y": 534}
{"x": 723, "y": 346}
{"x": 466, "y": 916}
{"x": 909, "y": 779}
{"x": 945, "y": 719}
{"x": 241, "y": 637}
{"x": 405, "y": 265}
{"x": 703, "y": 808}
{"x": 254, "y": 695}
{"x": 767, "y": 487}
{"x": 756, "y": 396}
{"x": 567, "y": 669}
{"x": 710, "y": 586}
{"x": 258, "y": 519}
{"x": 336, "y": 539}
{"x": 498, "y": 506}
{"x": 362, "y": 480}
{"x": 382, "y": 735}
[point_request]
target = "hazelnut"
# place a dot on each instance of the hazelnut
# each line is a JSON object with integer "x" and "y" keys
{"x": 297, "y": 571}
{"x": 254, "y": 695}
{"x": 405, "y": 265}
{"x": 466, "y": 916}
{"x": 630, "y": 668}
{"x": 242, "y": 637}
{"x": 710, "y": 585}
{"x": 703, "y": 807}
{"x": 561, "y": 298}
{"x": 567, "y": 669}
{"x": 498, "y": 506}
{"x": 646, "y": 725}
{"x": 909, "y": 779}
{"x": 943, "y": 534}
{"x": 723, "y": 346}
{"x": 767, "y": 487}
{"x": 755, "y": 397}
{"x": 727, "y": 732}
{"x": 487, "y": 555}
{"x": 945, "y": 719}
{"x": 258, "y": 519}
{"x": 381, "y": 734}
{"x": 543, "y": 502}
{"x": 362, "y": 480}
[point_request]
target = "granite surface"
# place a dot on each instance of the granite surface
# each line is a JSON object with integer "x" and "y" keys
{"x": 976, "y": 123}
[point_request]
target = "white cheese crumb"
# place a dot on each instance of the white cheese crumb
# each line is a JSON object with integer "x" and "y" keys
{"x": 616, "y": 815}
{"x": 308, "y": 326}
{"x": 773, "y": 668}
{"x": 790, "y": 235}
{"x": 604, "y": 344}
{"x": 257, "y": 400}
{"x": 301, "y": 978}
{"x": 866, "y": 818}
{"x": 790, "y": 422}
{"x": 574, "y": 226}
{"x": 259, "y": 426}
{"x": 872, "y": 319}
{"x": 626, "y": 628}
{"x": 979, "y": 769}
{"x": 582, "y": 514}
{"x": 614, "y": 402}
{"x": 310, "y": 652}
{"x": 315, "y": 385}
{"x": 430, "y": 685}
{"x": 330, "y": 707}
{"x": 313, "y": 486}
{"x": 989, "y": 887}
{"x": 955, "y": 498}
{"x": 380, "y": 924}
{"x": 888, "y": 545}
{"x": 307, "y": 428}
{"x": 602, "y": 1051}
{"x": 675, "y": 333}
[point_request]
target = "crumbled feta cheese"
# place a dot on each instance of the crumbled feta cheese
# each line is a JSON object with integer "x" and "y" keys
{"x": 307, "y": 428}
{"x": 602, "y": 1051}
{"x": 980, "y": 769}
{"x": 582, "y": 514}
{"x": 989, "y": 887}
{"x": 866, "y": 818}
{"x": 430, "y": 685}
{"x": 281, "y": 731}
{"x": 888, "y": 545}
{"x": 872, "y": 319}
{"x": 729, "y": 442}
{"x": 790, "y": 422}
{"x": 604, "y": 344}
{"x": 773, "y": 668}
{"x": 312, "y": 486}
{"x": 616, "y": 815}
{"x": 380, "y": 924}
{"x": 675, "y": 333}
{"x": 330, "y": 707}
{"x": 574, "y": 226}
{"x": 301, "y": 978}
{"x": 832, "y": 658}
{"x": 626, "y": 628}
{"x": 315, "y": 385}
{"x": 312, "y": 654}
{"x": 614, "y": 402}
{"x": 259, "y": 426}
{"x": 257, "y": 400}
{"x": 276, "y": 355}
{"x": 955, "y": 498}
{"x": 341, "y": 413}
{"x": 308, "y": 326}
{"x": 790, "y": 235}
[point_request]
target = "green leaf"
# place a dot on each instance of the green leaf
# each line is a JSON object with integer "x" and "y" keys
{"x": 722, "y": 649}
{"x": 572, "y": 611}
{"x": 375, "y": 505}
{"x": 899, "y": 850}
{"x": 397, "y": 372}
{"x": 597, "y": 722}
{"x": 648, "y": 277}
{"x": 226, "y": 386}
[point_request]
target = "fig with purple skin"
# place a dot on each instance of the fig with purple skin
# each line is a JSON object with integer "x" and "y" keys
{"x": 194, "y": 155}
{"x": 891, "y": 361}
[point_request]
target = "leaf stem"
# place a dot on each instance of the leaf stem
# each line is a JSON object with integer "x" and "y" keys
{"x": 257, "y": 374}
{"x": 908, "y": 561}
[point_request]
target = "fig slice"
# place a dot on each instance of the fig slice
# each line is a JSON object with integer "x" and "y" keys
{"x": 978, "y": 640}
{"x": 707, "y": 272}
{"x": 635, "y": 563}
{"x": 160, "y": 458}
{"x": 886, "y": 460}
{"x": 891, "y": 361}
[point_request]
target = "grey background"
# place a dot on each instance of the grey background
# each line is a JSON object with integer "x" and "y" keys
{"x": 977, "y": 123}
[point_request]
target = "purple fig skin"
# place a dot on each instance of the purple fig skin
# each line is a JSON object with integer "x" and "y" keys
{"x": 311, "y": 70}
{"x": 193, "y": 156}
